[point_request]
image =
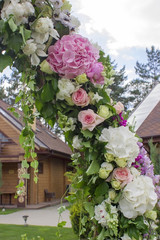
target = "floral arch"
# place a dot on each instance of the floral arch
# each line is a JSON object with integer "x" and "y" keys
{"x": 114, "y": 190}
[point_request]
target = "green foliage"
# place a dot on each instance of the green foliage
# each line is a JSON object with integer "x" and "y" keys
{"x": 154, "y": 156}
{"x": 148, "y": 76}
{"x": 78, "y": 216}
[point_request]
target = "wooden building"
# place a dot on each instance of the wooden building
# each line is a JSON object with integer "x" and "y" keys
{"x": 146, "y": 117}
{"x": 52, "y": 153}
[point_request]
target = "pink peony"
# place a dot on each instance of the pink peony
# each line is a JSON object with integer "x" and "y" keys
{"x": 89, "y": 119}
{"x": 72, "y": 55}
{"x": 122, "y": 175}
{"x": 80, "y": 98}
{"x": 95, "y": 73}
{"x": 119, "y": 107}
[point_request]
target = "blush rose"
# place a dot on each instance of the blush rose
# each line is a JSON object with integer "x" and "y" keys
{"x": 119, "y": 107}
{"x": 89, "y": 119}
{"x": 123, "y": 175}
{"x": 80, "y": 98}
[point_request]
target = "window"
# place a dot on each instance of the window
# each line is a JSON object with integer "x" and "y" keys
{"x": 4, "y": 139}
{"x": 40, "y": 168}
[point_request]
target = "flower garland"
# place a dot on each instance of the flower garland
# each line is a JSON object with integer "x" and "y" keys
{"x": 67, "y": 79}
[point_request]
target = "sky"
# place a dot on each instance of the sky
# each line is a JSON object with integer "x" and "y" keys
{"x": 123, "y": 28}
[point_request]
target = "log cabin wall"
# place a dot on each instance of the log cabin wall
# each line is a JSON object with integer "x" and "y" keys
{"x": 9, "y": 182}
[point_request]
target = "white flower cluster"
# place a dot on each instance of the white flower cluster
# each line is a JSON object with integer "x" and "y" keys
{"x": 106, "y": 214}
{"x": 21, "y": 10}
{"x": 138, "y": 197}
{"x": 121, "y": 142}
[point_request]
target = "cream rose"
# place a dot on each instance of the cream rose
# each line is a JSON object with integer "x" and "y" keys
{"x": 89, "y": 119}
{"x": 80, "y": 98}
{"x": 123, "y": 175}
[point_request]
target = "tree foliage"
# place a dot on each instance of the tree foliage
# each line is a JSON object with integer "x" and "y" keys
{"x": 148, "y": 76}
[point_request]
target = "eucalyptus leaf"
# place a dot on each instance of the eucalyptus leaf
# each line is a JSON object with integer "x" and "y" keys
{"x": 12, "y": 25}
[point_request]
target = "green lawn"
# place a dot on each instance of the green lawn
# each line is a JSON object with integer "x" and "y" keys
{"x": 14, "y": 232}
{"x": 8, "y": 211}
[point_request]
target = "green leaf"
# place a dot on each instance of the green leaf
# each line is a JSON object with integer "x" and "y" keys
{"x": 2, "y": 24}
{"x": 62, "y": 224}
{"x": 55, "y": 84}
{"x": 5, "y": 61}
{"x": 12, "y": 25}
{"x": 61, "y": 209}
{"x": 87, "y": 144}
{"x": 31, "y": 85}
{"x": 93, "y": 168}
{"x": 15, "y": 42}
{"x": 102, "y": 235}
{"x": 26, "y": 175}
{"x": 25, "y": 164}
{"x": 102, "y": 189}
{"x": 26, "y": 34}
{"x": 87, "y": 133}
{"x": 89, "y": 208}
{"x": 47, "y": 93}
{"x": 34, "y": 164}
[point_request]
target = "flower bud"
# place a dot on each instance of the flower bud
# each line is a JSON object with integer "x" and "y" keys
{"x": 81, "y": 78}
{"x": 69, "y": 101}
{"x": 109, "y": 157}
{"x": 151, "y": 215}
{"x": 121, "y": 162}
{"x": 103, "y": 173}
{"x": 66, "y": 6}
{"x": 45, "y": 67}
{"x": 116, "y": 184}
{"x": 112, "y": 194}
{"x": 104, "y": 112}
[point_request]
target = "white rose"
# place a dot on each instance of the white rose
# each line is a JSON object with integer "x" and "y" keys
{"x": 66, "y": 88}
{"x": 77, "y": 142}
{"x": 138, "y": 197}
{"x": 107, "y": 166}
{"x": 122, "y": 143}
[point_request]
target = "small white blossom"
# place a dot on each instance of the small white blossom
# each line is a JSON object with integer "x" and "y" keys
{"x": 96, "y": 97}
{"x": 20, "y": 11}
{"x": 77, "y": 142}
{"x": 42, "y": 29}
{"x": 34, "y": 50}
{"x": 66, "y": 88}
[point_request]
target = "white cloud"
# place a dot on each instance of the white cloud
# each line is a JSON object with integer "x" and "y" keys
{"x": 127, "y": 23}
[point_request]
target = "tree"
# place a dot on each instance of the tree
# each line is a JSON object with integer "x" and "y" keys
{"x": 149, "y": 76}
{"x": 10, "y": 86}
{"x": 119, "y": 87}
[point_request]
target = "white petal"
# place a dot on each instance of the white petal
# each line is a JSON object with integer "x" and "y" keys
{"x": 35, "y": 60}
{"x": 41, "y": 53}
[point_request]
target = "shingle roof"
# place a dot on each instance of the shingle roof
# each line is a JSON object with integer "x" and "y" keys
{"x": 44, "y": 138}
{"x": 151, "y": 125}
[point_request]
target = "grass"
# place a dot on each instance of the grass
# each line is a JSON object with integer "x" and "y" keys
{"x": 8, "y": 211}
{"x": 14, "y": 232}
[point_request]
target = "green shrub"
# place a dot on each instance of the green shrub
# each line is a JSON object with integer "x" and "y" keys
{"x": 80, "y": 220}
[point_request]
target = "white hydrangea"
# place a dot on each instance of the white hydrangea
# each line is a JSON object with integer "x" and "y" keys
{"x": 20, "y": 11}
{"x": 66, "y": 88}
{"x": 121, "y": 142}
{"x": 42, "y": 29}
{"x": 34, "y": 50}
{"x": 138, "y": 197}
{"x": 77, "y": 142}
